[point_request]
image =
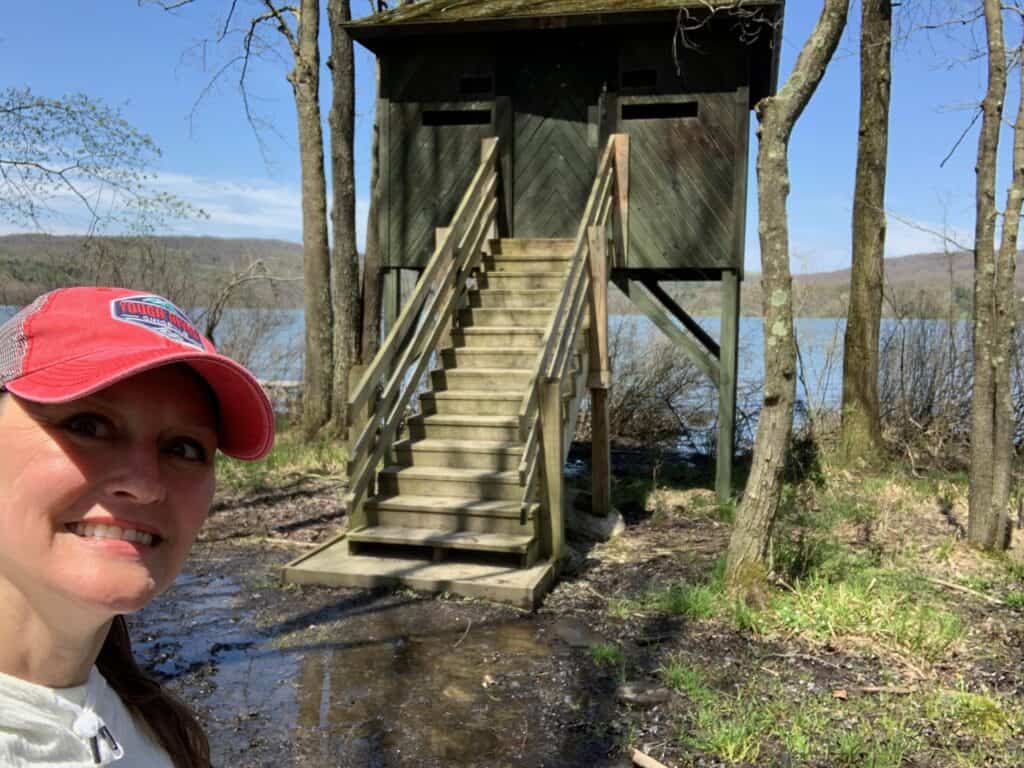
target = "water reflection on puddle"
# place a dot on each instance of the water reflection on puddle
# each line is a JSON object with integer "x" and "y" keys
{"x": 437, "y": 694}
{"x": 377, "y": 682}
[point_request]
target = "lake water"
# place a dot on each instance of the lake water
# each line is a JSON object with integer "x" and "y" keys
{"x": 275, "y": 351}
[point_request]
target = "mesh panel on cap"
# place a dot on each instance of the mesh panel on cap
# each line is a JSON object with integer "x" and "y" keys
{"x": 13, "y": 344}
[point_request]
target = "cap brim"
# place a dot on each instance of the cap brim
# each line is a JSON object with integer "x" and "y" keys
{"x": 246, "y": 416}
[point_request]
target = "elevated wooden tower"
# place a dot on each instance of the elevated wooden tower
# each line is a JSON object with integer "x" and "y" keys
{"x": 531, "y": 151}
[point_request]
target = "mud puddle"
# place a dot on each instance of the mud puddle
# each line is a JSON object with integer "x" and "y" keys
{"x": 319, "y": 677}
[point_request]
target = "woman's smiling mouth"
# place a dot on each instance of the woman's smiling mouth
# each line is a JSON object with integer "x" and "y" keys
{"x": 103, "y": 531}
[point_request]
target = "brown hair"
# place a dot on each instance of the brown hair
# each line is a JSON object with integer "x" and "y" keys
{"x": 169, "y": 718}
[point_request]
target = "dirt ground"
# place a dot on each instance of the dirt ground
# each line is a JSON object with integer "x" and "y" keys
{"x": 288, "y": 676}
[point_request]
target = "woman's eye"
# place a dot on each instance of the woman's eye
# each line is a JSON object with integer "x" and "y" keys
{"x": 89, "y": 425}
{"x": 188, "y": 449}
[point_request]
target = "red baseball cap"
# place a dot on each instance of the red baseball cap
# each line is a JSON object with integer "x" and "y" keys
{"x": 72, "y": 342}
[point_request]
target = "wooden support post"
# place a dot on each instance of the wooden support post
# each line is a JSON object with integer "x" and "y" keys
{"x": 504, "y": 122}
{"x": 356, "y": 515}
{"x": 391, "y": 303}
{"x": 600, "y": 453}
{"x": 600, "y": 378}
{"x": 729, "y": 343}
{"x": 660, "y": 316}
{"x": 680, "y": 314}
{"x": 391, "y": 299}
{"x": 444, "y": 341}
{"x": 553, "y": 455}
{"x": 620, "y": 211}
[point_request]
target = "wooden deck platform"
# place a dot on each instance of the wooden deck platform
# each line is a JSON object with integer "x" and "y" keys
{"x": 334, "y": 565}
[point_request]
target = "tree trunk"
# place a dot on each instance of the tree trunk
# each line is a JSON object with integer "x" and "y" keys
{"x": 319, "y": 358}
{"x": 747, "y": 560}
{"x": 371, "y": 257}
{"x": 345, "y": 266}
{"x": 861, "y": 425}
{"x": 994, "y": 308}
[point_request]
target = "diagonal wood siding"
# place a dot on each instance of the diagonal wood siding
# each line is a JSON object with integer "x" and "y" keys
{"x": 554, "y": 156}
{"x": 682, "y": 176}
{"x": 427, "y": 168}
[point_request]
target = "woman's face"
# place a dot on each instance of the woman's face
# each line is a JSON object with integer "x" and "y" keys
{"x": 101, "y": 498}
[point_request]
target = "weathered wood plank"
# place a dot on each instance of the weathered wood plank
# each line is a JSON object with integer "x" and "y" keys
{"x": 682, "y": 316}
{"x": 553, "y": 496}
{"x": 727, "y": 384}
{"x": 651, "y": 307}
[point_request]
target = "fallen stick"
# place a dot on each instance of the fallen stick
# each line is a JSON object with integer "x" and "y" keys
{"x": 469, "y": 623}
{"x": 962, "y": 588}
{"x": 645, "y": 761}
{"x": 893, "y": 689}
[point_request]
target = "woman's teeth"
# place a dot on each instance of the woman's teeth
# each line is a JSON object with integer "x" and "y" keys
{"x": 90, "y": 531}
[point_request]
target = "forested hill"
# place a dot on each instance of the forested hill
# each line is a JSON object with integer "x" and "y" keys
{"x": 33, "y": 263}
{"x": 920, "y": 284}
{"x": 213, "y": 251}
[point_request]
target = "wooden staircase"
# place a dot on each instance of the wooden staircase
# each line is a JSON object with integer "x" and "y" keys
{"x": 455, "y": 475}
{"x": 454, "y": 487}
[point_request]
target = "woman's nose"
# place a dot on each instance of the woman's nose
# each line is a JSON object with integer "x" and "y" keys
{"x": 138, "y": 478}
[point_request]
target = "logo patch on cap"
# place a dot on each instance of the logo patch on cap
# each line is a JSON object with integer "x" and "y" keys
{"x": 158, "y": 315}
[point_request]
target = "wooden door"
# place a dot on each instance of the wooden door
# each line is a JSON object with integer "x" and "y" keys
{"x": 555, "y": 139}
{"x": 684, "y": 156}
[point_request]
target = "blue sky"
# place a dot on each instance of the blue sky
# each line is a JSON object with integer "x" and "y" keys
{"x": 154, "y": 66}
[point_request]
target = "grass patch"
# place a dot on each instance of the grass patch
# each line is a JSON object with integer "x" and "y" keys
{"x": 686, "y": 679}
{"x": 694, "y": 601}
{"x": 980, "y": 715}
{"x": 732, "y": 735}
{"x": 607, "y": 655}
{"x": 887, "y": 607}
{"x": 293, "y": 455}
{"x": 1015, "y": 600}
{"x": 761, "y": 720}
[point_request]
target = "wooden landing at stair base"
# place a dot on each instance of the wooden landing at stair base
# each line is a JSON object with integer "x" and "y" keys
{"x": 333, "y": 565}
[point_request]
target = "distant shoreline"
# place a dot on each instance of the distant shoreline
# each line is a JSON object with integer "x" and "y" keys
{"x": 930, "y": 285}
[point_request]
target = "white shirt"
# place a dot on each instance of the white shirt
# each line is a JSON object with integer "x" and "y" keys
{"x": 78, "y": 727}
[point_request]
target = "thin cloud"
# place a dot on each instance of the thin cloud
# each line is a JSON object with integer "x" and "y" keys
{"x": 234, "y": 208}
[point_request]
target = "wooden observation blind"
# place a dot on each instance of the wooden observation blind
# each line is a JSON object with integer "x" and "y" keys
{"x": 553, "y": 80}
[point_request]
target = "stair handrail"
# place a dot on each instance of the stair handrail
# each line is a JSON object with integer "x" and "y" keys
{"x": 560, "y": 336}
{"x": 385, "y": 389}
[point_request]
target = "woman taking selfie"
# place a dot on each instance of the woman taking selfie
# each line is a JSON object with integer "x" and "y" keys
{"x": 112, "y": 407}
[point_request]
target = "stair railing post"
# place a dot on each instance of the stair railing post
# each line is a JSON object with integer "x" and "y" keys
{"x": 485, "y": 147}
{"x": 552, "y": 450}
{"x": 440, "y": 233}
{"x": 357, "y": 419}
{"x": 600, "y": 378}
{"x": 620, "y": 209}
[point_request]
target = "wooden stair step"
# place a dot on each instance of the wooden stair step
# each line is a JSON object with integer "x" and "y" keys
{"x": 452, "y": 513}
{"x": 470, "y": 446}
{"x": 458, "y": 420}
{"x": 495, "y": 455}
{"x": 532, "y": 280}
{"x": 450, "y": 379}
{"x": 450, "y": 481}
{"x": 471, "y": 402}
{"x": 512, "y": 358}
{"x": 491, "y": 317}
{"x": 510, "y": 330}
{"x": 477, "y": 394}
{"x": 493, "y": 298}
{"x": 449, "y": 505}
{"x": 473, "y": 427}
{"x": 514, "y": 265}
{"x": 429, "y": 537}
{"x": 528, "y": 246}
